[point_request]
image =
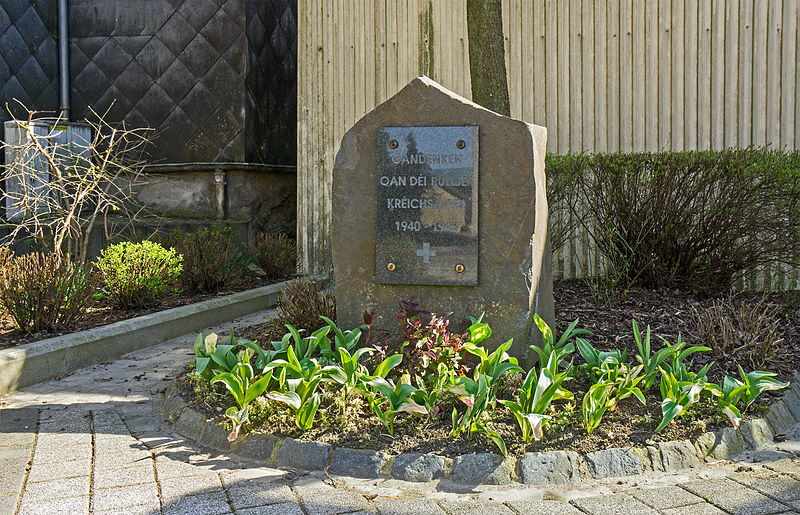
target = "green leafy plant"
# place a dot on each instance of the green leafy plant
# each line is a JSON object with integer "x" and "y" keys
{"x": 536, "y": 394}
{"x": 391, "y": 399}
{"x": 239, "y": 382}
{"x": 616, "y": 381}
{"x": 677, "y": 395}
{"x": 563, "y": 347}
{"x": 276, "y": 255}
{"x": 595, "y": 359}
{"x": 211, "y": 358}
{"x": 651, "y": 362}
{"x": 42, "y": 292}
{"x": 676, "y": 364}
{"x": 137, "y": 274}
{"x": 731, "y": 392}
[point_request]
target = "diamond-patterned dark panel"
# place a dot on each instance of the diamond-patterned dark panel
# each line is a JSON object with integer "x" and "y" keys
{"x": 28, "y": 62}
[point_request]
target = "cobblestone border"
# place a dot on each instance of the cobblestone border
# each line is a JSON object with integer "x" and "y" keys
{"x": 39, "y": 361}
{"x": 533, "y": 468}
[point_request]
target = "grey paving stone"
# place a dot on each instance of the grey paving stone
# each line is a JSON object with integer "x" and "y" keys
{"x": 694, "y": 509}
{"x": 786, "y": 465}
{"x": 326, "y": 501}
{"x": 481, "y": 468}
{"x": 666, "y": 497}
{"x": 56, "y": 506}
{"x": 274, "y": 509}
{"x": 8, "y": 504}
{"x": 781, "y": 488}
{"x": 779, "y": 417}
{"x": 172, "y": 489}
{"x": 303, "y": 455}
{"x": 212, "y": 503}
{"x": 11, "y": 484}
{"x": 388, "y": 506}
{"x": 756, "y": 433}
{"x": 59, "y": 454}
{"x": 617, "y": 504}
{"x": 59, "y": 470}
{"x": 709, "y": 487}
{"x": 248, "y": 494}
{"x": 418, "y": 467}
{"x": 678, "y": 455}
{"x": 169, "y": 468}
{"x": 16, "y": 439}
{"x": 614, "y": 462}
{"x": 56, "y": 489}
{"x": 10, "y": 454}
{"x": 747, "y": 502}
{"x": 126, "y": 476}
{"x": 555, "y": 467}
{"x": 130, "y": 510}
{"x": 257, "y": 447}
{"x": 473, "y": 506}
{"x": 544, "y": 507}
{"x": 124, "y": 496}
{"x": 361, "y": 463}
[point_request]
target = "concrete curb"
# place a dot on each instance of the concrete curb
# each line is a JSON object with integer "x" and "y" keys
{"x": 539, "y": 468}
{"x": 46, "y": 359}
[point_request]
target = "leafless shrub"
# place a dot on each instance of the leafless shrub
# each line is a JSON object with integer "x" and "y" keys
{"x": 747, "y": 332}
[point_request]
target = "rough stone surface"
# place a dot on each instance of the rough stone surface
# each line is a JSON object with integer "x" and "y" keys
{"x": 555, "y": 467}
{"x": 705, "y": 443}
{"x": 613, "y": 504}
{"x": 481, "y": 468}
{"x": 792, "y": 402}
{"x": 191, "y": 423}
{"x": 513, "y": 234}
{"x": 678, "y": 455}
{"x": 614, "y": 462}
{"x": 257, "y": 447}
{"x": 729, "y": 443}
{"x": 756, "y": 432}
{"x": 303, "y": 455}
{"x": 357, "y": 462}
{"x": 779, "y": 417}
{"x": 418, "y": 467}
{"x": 666, "y": 497}
{"x": 655, "y": 458}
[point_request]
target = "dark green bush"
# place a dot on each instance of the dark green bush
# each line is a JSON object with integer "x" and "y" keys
{"x": 276, "y": 255}
{"x": 42, "y": 292}
{"x": 136, "y": 274}
{"x": 689, "y": 220}
{"x": 211, "y": 259}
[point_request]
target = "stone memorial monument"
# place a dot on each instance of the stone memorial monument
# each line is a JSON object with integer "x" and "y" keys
{"x": 437, "y": 197}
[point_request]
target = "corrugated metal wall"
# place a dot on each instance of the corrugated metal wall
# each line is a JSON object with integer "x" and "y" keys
{"x": 601, "y": 75}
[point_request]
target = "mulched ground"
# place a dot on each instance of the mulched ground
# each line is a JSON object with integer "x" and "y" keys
{"x": 101, "y": 312}
{"x": 667, "y": 312}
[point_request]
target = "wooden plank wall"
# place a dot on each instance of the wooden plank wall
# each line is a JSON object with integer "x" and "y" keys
{"x": 601, "y": 75}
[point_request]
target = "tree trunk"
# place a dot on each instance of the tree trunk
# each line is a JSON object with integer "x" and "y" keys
{"x": 487, "y": 63}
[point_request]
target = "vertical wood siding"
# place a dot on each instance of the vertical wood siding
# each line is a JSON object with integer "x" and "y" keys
{"x": 601, "y": 75}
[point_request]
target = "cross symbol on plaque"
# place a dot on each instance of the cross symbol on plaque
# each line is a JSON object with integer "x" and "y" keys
{"x": 426, "y": 253}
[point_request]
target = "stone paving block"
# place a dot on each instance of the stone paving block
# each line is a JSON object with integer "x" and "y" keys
{"x": 191, "y": 423}
{"x": 249, "y": 494}
{"x": 614, "y": 462}
{"x": 617, "y": 504}
{"x": 388, "y": 506}
{"x": 481, "y": 468}
{"x": 729, "y": 442}
{"x": 274, "y": 509}
{"x": 131, "y": 510}
{"x": 122, "y": 459}
{"x": 361, "y": 463}
{"x": 678, "y": 455}
{"x": 710, "y": 487}
{"x": 418, "y": 467}
{"x": 56, "y": 506}
{"x": 16, "y": 439}
{"x": 779, "y": 417}
{"x": 694, "y": 509}
{"x": 8, "y": 504}
{"x": 56, "y": 489}
{"x": 153, "y": 439}
{"x": 666, "y": 497}
{"x": 473, "y": 506}
{"x": 257, "y": 447}
{"x": 172, "y": 489}
{"x": 781, "y": 488}
{"x": 303, "y": 455}
{"x": 126, "y": 476}
{"x": 756, "y": 433}
{"x": 57, "y": 455}
{"x": 211, "y": 503}
{"x": 318, "y": 500}
{"x": 169, "y": 468}
{"x": 250, "y": 476}
{"x": 11, "y": 484}
{"x": 555, "y": 467}
{"x": 747, "y": 502}
{"x": 60, "y": 470}
{"x": 15, "y": 454}
{"x": 786, "y": 465}
{"x": 547, "y": 507}
{"x": 124, "y": 496}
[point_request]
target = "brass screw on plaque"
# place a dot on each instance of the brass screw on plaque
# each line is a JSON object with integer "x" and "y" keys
{"x": 393, "y": 143}
{"x": 461, "y": 144}
{"x": 390, "y": 267}
{"x": 459, "y": 268}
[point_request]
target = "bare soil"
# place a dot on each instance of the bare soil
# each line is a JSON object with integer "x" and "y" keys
{"x": 101, "y": 312}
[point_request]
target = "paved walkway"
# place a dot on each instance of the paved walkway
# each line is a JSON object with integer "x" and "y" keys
{"x": 91, "y": 442}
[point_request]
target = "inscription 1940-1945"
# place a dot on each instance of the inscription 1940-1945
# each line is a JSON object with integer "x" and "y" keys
{"x": 427, "y": 220}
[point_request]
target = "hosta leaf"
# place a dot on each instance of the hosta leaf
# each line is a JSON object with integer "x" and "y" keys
{"x": 289, "y": 398}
